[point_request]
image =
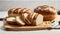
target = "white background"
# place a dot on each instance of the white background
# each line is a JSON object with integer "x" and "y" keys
{"x": 31, "y": 4}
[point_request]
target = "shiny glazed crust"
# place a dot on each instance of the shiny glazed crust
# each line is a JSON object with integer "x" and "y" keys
{"x": 48, "y": 12}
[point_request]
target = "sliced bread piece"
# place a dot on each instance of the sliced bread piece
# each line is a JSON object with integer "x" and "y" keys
{"x": 39, "y": 19}
{"x": 35, "y": 19}
{"x": 11, "y": 20}
{"x": 19, "y": 21}
{"x": 24, "y": 18}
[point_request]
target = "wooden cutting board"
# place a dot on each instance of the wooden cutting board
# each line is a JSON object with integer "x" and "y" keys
{"x": 24, "y": 28}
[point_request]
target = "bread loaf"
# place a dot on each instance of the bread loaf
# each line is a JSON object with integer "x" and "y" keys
{"x": 22, "y": 12}
{"x": 48, "y": 12}
{"x": 26, "y": 16}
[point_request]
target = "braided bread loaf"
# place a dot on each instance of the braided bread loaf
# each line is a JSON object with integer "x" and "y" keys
{"x": 22, "y": 12}
{"x": 24, "y": 16}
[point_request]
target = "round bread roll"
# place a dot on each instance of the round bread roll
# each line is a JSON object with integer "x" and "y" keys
{"x": 48, "y": 12}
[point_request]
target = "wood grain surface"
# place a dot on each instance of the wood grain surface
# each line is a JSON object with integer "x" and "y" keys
{"x": 24, "y": 28}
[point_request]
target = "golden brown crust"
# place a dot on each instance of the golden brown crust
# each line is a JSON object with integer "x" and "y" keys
{"x": 21, "y": 23}
{"x": 46, "y": 11}
{"x": 49, "y": 17}
{"x": 13, "y": 12}
{"x": 25, "y": 20}
{"x": 34, "y": 19}
{"x": 21, "y": 11}
{"x": 29, "y": 17}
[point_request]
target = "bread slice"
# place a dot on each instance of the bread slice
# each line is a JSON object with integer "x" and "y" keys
{"x": 34, "y": 19}
{"x": 11, "y": 20}
{"x": 19, "y": 21}
{"x": 37, "y": 19}
{"x": 15, "y": 21}
{"x": 25, "y": 19}
{"x": 30, "y": 17}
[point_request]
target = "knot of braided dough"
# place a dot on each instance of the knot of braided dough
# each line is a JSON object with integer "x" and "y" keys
{"x": 19, "y": 11}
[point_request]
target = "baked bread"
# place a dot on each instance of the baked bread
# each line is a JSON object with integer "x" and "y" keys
{"x": 14, "y": 21}
{"x": 38, "y": 19}
{"x": 29, "y": 17}
{"x": 35, "y": 19}
{"x": 13, "y": 12}
{"x": 48, "y": 12}
{"x": 10, "y": 20}
{"x": 22, "y": 12}
{"x": 18, "y": 11}
{"x": 19, "y": 21}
